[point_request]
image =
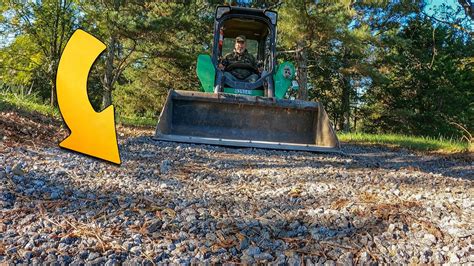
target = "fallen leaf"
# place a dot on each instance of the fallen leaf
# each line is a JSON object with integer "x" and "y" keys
{"x": 339, "y": 204}
{"x": 294, "y": 192}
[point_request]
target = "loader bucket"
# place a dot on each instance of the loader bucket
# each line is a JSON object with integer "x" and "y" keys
{"x": 245, "y": 121}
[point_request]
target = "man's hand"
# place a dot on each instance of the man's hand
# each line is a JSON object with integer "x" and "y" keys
{"x": 260, "y": 66}
{"x": 220, "y": 66}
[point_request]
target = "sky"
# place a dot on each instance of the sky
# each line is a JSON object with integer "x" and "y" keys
{"x": 433, "y": 4}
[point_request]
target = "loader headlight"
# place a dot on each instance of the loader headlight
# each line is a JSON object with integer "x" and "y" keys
{"x": 272, "y": 15}
{"x": 221, "y": 11}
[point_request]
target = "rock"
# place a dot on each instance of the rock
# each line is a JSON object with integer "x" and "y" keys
{"x": 246, "y": 259}
{"x": 77, "y": 262}
{"x": 7, "y": 199}
{"x": 364, "y": 258}
{"x": 62, "y": 247}
{"x": 391, "y": 228}
{"x": 251, "y": 251}
{"x": 54, "y": 195}
{"x": 263, "y": 257}
{"x": 459, "y": 233}
{"x": 438, "y": 258}
{"x": 30, "y": 245}
{"x": 38, "y": 183}
{"x": 28, "y": 255}
{"x": 51, "y": 258}
{"x": 171, "y": 247}
{"x": 136, "y": 250}
{"x": 165, "y": 167}
{"x": 294, "y": 225}
{"x": 137, "y": 239}
{"x": 18, "y": 170}
{"x": 453, "y": 258}
{"x": 471, "y": 258}
{"x": 329, "y": 263}
{"x": 190, "y": 218}
{"x": 335, "y": 253}
{"x": 232, "y": 251}
{"x": 127, "y": 245}
{"x": 294, "y": 261}
{"x": 154, "y": 226}
{"x": 91, "y": 196}
{"x": 64, "y": 259}
{"x": 244, "y": 244}
{"x": 429, "y": 239}
{"x": 111, "y": 262}
{"x": 346, "y": 258}
{"x": 319, "y": 233}
{"x": 92, "y": 256}
{"x": 12, "y": 250}
{"x": 98, "y": 261}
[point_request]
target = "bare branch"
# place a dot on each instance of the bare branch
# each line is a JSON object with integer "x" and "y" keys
{"x": 454, "y": 25}
{"x": 122, "y": 65}
{"x": 434, "y": 49}
{"x": 468, "y": 7}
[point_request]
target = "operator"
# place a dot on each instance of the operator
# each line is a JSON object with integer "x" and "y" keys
{"x": 242, "y": 56}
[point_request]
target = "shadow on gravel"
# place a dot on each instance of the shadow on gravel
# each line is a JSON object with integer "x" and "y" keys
{"x": 424, "y": 163}
{"x": 354, "y": 157}
{"x": 47, "y": 214}
{"x": 51, "y": 211}
{"x": 57, "y": 213}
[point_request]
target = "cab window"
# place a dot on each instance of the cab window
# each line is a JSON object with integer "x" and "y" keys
{"x": 228, "y": 46}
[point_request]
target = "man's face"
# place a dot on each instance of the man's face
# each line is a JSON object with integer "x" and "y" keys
{"x": 239, "y": 47}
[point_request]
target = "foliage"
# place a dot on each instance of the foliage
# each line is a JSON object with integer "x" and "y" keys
{"x": 42, "y": 29}
{"x": 428, "y": 83}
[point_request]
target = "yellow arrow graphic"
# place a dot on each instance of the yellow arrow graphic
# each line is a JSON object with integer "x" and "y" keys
{"x": 92, "y": 133}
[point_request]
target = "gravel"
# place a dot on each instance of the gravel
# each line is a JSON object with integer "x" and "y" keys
{"x": 184, "y": 204}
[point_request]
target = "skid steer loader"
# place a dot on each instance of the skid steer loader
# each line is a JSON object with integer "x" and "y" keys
{"x": 245, "y": 114}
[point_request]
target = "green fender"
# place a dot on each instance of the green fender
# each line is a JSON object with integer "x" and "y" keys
{"x": 206, "y": 72}
{"x": 284, "y": 74}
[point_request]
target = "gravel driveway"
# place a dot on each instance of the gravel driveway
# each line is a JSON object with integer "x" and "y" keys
{"x": 181, "y": 203}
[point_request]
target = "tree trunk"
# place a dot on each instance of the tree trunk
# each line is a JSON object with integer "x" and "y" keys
{"x": 53, "y": 93}
{"x": 109, "y": 72}
{"x": 345, "y": 121}
{"x": 106, "y": 98}
{"x": 52, "y": 81}
{"x": 355, "y": 119}
{"x": 302, "y": 68}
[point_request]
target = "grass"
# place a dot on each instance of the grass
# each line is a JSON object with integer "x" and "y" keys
{"x": 29, "y": 103}
{"x": 9, "y": 101}
{"x": 26, "y": 103}
{"x": 426, "y": 144}
{"x": 136, "y": 121}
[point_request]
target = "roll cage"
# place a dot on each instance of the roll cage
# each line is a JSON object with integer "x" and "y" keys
{"x": 254, "y": 24}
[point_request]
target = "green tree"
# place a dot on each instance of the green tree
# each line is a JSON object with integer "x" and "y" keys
{"x": 47, "y": 25}
{"x": 121, "y": 25}
{"x": 329, "y": 54}
{"x": 428, "y": 82}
